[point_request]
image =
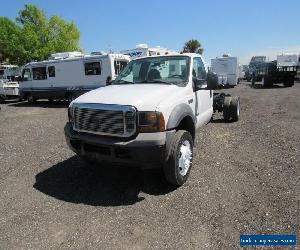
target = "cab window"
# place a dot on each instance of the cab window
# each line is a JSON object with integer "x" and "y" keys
{"x": 199, "y": 69}
{"x": 26, "y": 75}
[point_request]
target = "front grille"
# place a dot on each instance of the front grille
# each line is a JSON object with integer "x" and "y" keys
{"x": 104, "y": 119}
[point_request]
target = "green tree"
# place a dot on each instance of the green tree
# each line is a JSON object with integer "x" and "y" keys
{"x": 193, "y": 46}
{"x": 10, "y": 47}
{"x": 35, "y": 36}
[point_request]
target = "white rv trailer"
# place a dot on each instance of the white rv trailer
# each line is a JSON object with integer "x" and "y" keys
{"x": 68, "y": 75}
{"x": 143, "y": 50}
{"x": 9, "y": 86}
{"x": 287, "y": 60}
{"x": 227, "y": 69}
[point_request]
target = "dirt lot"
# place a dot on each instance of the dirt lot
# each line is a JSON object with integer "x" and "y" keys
{"x": 245, "y": 179}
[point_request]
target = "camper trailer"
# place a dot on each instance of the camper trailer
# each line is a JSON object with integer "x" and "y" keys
{"x": 227, "y": 69}
{"x": 9, "y": 86}
{"x": 69, "y": 75}
{"x": 143, "y": 50}
{"x": 287, "y": 60}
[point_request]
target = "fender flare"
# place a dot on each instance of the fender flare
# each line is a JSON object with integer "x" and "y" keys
{"x": 178, "y": 114}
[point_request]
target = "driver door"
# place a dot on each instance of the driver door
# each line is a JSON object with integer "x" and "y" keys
{"x": 204, "y": 98}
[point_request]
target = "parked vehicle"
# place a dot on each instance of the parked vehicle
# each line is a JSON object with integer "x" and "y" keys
{"x": 143, "y": 50}
{"x": 9, "y": 86}
{"x": 68, "y": 75}
{"x": 149, "y": 115}
{"x": 241, "y": 73}
{"x": 227, "y": 69}
{"x": 268, "y": 73}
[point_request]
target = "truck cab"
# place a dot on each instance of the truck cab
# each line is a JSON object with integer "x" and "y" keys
{"x": 9, "y": 82}
{"x": 147, "y": 117}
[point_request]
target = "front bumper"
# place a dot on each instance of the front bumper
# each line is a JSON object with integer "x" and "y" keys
{"x": 147, "y": 150}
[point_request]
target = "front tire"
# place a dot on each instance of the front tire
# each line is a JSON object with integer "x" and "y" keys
{"x": 179, "y": 163}
{"x": 31, "y": 99}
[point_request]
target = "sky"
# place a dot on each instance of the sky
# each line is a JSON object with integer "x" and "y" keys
{"x": 242, "y": 28}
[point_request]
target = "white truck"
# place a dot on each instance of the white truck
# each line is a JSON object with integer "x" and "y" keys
{"x": 142, "y": 50}
{"x": 9, "y": 86}
{"x": 149, "y": 115}
{"x": 227, "y": 69}
{"x": 68, "y": 75}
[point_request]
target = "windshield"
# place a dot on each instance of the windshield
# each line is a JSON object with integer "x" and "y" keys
{"x": 160, "y": 70}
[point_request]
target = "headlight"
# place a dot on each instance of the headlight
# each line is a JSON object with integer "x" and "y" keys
{"x": 71, "y": 114}
{"x": 151, "y": 121}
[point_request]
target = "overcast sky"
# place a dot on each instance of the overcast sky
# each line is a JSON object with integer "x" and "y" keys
{"x": 242, "y": 28}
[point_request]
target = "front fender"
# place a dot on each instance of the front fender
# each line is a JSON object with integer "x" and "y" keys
{"x": 177, "y": 115}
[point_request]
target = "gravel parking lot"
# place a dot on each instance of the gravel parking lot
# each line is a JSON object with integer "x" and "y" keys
{"x": 245, "y": 180}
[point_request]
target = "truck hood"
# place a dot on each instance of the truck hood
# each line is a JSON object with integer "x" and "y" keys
{"x": 144, "y": 97}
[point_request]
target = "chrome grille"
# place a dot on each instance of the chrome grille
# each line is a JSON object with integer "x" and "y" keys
{"x": 104, "y": 119}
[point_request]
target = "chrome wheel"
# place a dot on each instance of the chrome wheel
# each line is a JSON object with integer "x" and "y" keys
{"x": 184, "y": 158}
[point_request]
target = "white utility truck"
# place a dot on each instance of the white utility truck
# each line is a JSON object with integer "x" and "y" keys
{"x": 227, "y": 69}
{"x": 9, "y": 86}
{"x": 142, "y": 50}
{"x": 149, "y": 115}
{"x": 68, "y": 75}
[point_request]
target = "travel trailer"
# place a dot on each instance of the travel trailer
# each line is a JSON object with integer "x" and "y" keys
{"x": 227, "y": 69}
{"x": 143, "y": 50}
{"x": 68, "y": 75}
{"x": 287, "y": 60}
{"x": 9, "y": 86}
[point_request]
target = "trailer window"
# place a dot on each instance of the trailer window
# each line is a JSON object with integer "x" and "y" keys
{"x": 39, "y": 73}
{"x": 26, "y": 75}
{"x": 119, "y": 66}
{"x": 92, "y": 68}
{"x": 51, "y": 71}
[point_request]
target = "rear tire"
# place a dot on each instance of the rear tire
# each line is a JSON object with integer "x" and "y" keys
{"x": 234, "y": 108}
{"x": 179, "y": 164}
{"x": 226, "y": 108}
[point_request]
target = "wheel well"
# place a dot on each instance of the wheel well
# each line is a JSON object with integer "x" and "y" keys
{"x": 187, "y": 124}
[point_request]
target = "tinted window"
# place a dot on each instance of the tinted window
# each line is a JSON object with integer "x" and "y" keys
{"x": 39, "y": 73}
{"x": 92, "y": 68}
{"x": 51, "y": 71}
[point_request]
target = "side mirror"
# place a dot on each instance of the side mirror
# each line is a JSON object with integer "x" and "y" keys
{"x": 108, "y": 80}
{"x": 212, "y": 81}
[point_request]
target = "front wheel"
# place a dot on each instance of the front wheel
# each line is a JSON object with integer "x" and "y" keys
{"x": 31, "y": 99}
{"x": 179, "y": 163}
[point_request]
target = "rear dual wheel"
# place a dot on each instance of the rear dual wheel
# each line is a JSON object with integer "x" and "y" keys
{"x": 231, "y": 109}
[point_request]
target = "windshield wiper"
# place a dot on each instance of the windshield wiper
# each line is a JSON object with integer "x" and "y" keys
{"x": 122, "y": 82}
{"x": 156, "y": 81}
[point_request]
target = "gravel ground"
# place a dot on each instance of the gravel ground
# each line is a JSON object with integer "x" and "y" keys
{"x": 245, "y": 179}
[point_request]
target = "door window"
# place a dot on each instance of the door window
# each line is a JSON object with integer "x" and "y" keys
{"x": 199, "y": 69}
{"x": 26, "y": 75}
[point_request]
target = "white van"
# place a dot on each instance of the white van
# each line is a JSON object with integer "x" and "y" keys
{"x": 68, "y": 75}
{"x": 9, "y": 86}
{"x": 227, "y": 69}
{"x": 142, "y": 50}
